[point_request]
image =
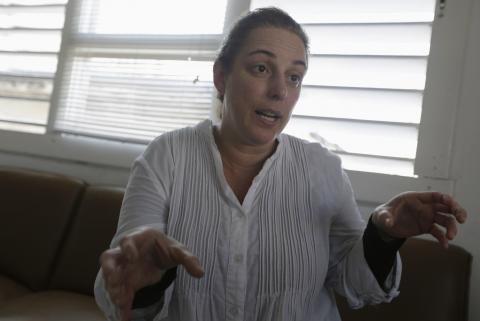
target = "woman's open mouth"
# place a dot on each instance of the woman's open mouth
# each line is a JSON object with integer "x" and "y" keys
{"x": 268, "y": 115}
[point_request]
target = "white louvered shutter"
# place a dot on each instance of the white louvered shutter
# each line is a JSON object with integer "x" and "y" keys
{"x": 30, "y": 36}
{"x": 362, "y": 96}
{"x": 137, "y": 68}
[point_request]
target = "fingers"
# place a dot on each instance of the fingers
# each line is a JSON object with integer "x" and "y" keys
{"x": 181, "y": 256}
{"x": 437, "y": 233}
{"x": 124, "y": 304}
{"x": 134, "y": 244}
{"x": 429, "y": 197}
{"x": 122, "y": 297}
{"x": 443, "y": 203}
{"x": 167, "y": 252}
{"x": 129, "y": 248}
{"x": 138, "y": 261}
{"x": 124, "y": 314}
{"x": 415, "y": 213}
{"x": 111, "y": 262}
{"x": 454, "y": 208}
{"x": 122, "y": 300}
{"x": 116, "y": 281}
{"x": 448, "y": 222}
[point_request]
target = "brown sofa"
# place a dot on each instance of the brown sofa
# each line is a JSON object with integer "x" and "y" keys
{"x": 53, "y": 229}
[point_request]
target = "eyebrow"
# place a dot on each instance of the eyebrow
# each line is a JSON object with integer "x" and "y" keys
{"x": 272, "y": 55}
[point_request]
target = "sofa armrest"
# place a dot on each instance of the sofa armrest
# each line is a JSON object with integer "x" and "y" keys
{"x": 434, "y": 286}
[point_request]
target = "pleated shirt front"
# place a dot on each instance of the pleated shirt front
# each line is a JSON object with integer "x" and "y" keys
{"x": 277, "y": 256}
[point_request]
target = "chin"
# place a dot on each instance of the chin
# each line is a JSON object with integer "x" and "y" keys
{"x": 264, "y": 138}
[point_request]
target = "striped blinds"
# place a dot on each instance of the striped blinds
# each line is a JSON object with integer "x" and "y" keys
{"x": 134, "y": 69}
{"x": 30, "y": 35}
{"x": 362, "y": 96}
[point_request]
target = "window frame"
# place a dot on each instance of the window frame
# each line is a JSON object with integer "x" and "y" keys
{"x": 434, "y": 151}
{"x": 442, "y": 90}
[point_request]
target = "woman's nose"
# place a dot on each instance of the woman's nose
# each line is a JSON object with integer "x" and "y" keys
{"x": 278, "y": 88}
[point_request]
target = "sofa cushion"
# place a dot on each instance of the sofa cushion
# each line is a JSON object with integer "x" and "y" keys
{"x": 434, "y": 286}
{"x": 52, "y": 306}
{"x": 36, "y": 209}
{"x": 92, "y": 230}
{"x": 10, "y": 289}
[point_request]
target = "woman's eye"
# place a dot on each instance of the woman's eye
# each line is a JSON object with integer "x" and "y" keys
{"x": 260, "y": 68}
{"x": 296, "y": 79}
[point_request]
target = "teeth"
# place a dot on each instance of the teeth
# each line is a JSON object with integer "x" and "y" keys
{"x": 268, "y": 118}
{"x": 267, "y": 114}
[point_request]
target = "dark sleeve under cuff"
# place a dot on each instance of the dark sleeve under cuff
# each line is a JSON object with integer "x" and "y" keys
{"x": 151, "y": 294}
{"x": 380, "y": 255}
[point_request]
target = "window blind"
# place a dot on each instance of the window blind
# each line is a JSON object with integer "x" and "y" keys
{"x": 362, "y": 96}
{"x": 134, "y": 69}
{"x": 30, "y": 35}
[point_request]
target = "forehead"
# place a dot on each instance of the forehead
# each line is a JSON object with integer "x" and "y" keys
{"x": 281, "y": 42}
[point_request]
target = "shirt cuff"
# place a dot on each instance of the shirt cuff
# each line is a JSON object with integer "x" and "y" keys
{"x": 150, "y": 295}
{"x": 379, "y": 254}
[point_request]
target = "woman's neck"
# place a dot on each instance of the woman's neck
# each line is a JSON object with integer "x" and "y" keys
{"x": 239, "y": 156}
{"x": 241, "y": 162}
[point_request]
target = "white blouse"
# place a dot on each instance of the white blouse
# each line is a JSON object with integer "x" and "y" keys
{"x": 278, "y": 256}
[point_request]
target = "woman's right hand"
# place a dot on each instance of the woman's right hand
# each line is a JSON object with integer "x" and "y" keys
{"x": 139, "y": 261}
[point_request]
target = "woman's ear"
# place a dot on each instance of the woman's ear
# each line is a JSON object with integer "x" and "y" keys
{"x": 219, "y": 78}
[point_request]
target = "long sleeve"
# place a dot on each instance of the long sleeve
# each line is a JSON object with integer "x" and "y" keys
{"x": 146, "y": 203}
{"x": 150, "y": 295}
{"x": 349, "y": 272}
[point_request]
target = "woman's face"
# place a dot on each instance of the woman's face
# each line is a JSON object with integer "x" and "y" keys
{"x": 262, "y": 86}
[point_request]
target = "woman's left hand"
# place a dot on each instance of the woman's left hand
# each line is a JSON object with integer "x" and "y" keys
{"x": 414, "y": 213}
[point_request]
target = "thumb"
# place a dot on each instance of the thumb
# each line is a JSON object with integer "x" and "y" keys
{"x": 189, "y": 261}
{"x": 193, "y": 266}
{"x": 384, "y": 222}
{"x": 383, "y": 219}
{"x": 182, "y": 256}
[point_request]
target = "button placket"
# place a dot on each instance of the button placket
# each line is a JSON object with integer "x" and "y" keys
{"x": 238, "y": 258}
{"x": 236, "y": 274}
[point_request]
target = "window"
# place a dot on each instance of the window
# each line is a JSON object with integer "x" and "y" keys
{"x": 133, "y": 81}
{"x": 122, "y": 78}
{"x": 30, "y": 34}
{"x": 362, "y": 96}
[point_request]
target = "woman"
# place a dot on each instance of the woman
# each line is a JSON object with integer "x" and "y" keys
{"x": 263, "y": 225}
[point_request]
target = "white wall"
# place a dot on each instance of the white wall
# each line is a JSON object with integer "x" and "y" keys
{"x": 466, "y": 160}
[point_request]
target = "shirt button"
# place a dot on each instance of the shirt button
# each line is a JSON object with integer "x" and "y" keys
{"x": 234, "y": 311}
{"x": 238, "y": 258}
